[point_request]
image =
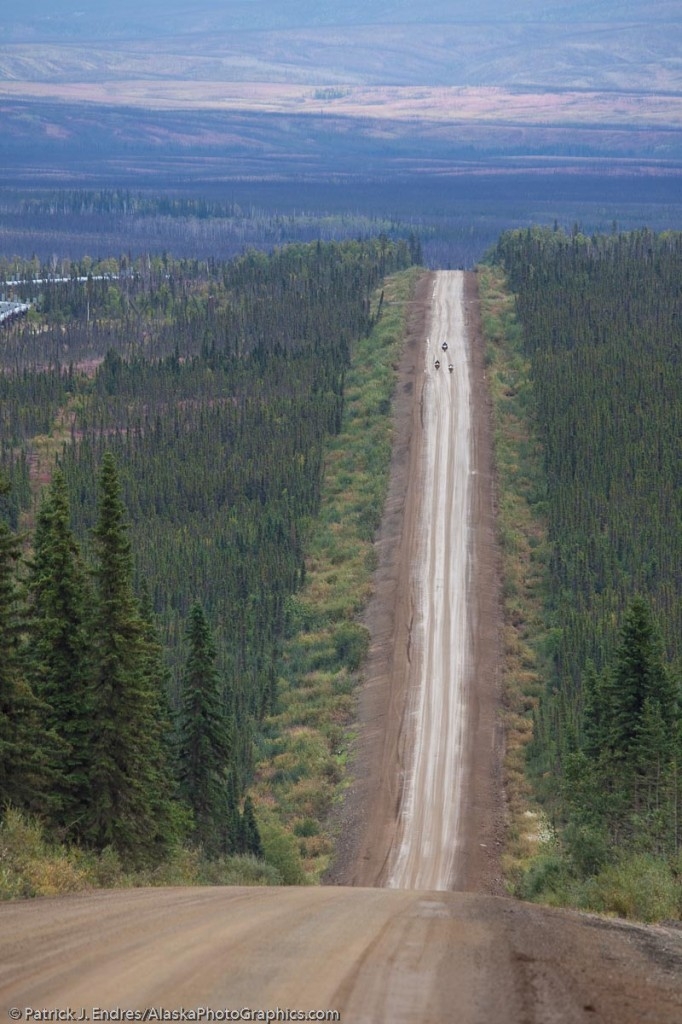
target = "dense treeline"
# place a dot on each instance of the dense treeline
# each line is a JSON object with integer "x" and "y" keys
{"x": 72, "y": 221}
{"x": 200, "y": 403}
{"x": 456, "y": 218}
{"x": 601, "y": 324}
{"x": 123, "y": 201}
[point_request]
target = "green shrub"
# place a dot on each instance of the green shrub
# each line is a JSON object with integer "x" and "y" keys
{"x": 641, "y": 887}
{"x": 546, "y": 874}
{"x": 352, "y": 644}
{"x": 30, "y": 865}
{"x": 107, "y": 870}
{"x": 281, "y": 851}
{"x": 587, "y": 847}
{"x": 240, "y": 870}
{"x": 306, "y": 827}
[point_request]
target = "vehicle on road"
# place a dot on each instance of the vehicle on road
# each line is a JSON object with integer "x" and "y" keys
{"x": 444, "y": 346}
{"x": 437, "y": 364}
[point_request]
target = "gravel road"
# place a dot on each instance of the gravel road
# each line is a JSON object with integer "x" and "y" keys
{"x": 425, "y": 850}
{"x": 370, "y": 955}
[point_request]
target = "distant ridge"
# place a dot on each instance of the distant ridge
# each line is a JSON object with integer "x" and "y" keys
{"x": 610, "y": 45}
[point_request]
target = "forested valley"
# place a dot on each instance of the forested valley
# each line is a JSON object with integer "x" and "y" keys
{"x": 598, "y": 326}
{"x": 163, "y": 425}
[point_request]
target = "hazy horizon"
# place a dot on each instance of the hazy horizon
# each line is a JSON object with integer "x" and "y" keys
{"x": 615, "y": 44}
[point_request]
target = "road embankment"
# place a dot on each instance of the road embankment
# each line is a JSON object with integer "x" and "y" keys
{"x": 426, "y": 807}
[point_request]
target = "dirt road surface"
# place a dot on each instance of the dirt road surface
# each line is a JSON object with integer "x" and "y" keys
{"x": 426, "y": 808}
{"x": 371, "y": 955}
{"x": 424, "y": 853}
{"x": 424, "y": 815}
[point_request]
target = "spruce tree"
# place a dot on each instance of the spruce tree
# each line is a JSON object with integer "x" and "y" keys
{"x": 631, "y": 738}
{"x": 10, "y": 753}
{"x": 639, "y": 677}
{"x": 205, "y": 741}
{"x": 250, "y": 836}
{"x": 26, "y": 748}
{"x": 131, "y": 808}
{"x": 58, "y": 653}
{"x": 168, "y": 808}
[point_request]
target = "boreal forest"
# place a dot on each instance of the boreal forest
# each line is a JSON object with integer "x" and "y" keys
{"x": 598, "y": 327}
{"x": 163, "y": 429}
{"x": 165, "y": 426}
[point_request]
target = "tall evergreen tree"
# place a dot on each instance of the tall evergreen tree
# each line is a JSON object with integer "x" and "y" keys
{"x": 631, "y": 738}
{"x": 25, "y": 746}
{"x": 168, "y": 806}
{"x": 250, "y": 836}
{"x": 58, "y": 653}
{"x": 205, "y": 741}
{"x": 639, "y": 681}
{"x": 131, "y": 806}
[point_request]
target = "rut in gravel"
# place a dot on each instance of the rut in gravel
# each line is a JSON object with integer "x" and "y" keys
{"x": 425, "y": 850}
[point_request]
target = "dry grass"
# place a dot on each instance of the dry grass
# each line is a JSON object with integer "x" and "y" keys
{"x": 523, "y": 543}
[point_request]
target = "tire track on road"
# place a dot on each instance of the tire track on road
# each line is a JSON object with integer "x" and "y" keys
{"x": 423, "y": 856}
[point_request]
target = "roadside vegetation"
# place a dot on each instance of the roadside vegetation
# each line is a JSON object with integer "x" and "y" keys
{"x": 145, "y": 618}
{"x": 522, "y": 535}
{"x": 591, "y": 349}
{"x": 303, "y": 747}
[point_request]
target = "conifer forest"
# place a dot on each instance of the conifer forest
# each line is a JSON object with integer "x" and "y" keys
{"x": 601, "y": 326}
{"x": 163, "y": 423}
{"x": 163, "y": 428}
